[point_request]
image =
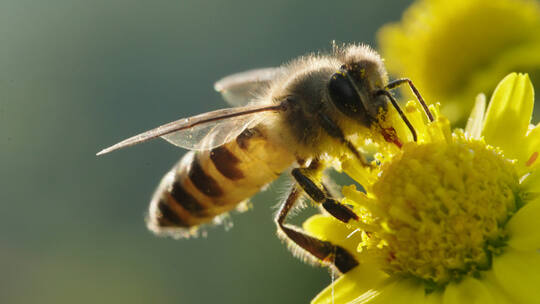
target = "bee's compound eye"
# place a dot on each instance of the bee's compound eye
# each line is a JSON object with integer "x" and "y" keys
{"x": 344, "y": 95}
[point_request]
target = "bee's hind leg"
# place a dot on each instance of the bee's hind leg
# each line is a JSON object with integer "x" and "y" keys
{"x": 322, "y": 251}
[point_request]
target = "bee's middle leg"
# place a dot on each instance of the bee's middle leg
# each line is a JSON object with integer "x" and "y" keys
{"x": 337, "y": 210}
{"x": 323, "y": 251}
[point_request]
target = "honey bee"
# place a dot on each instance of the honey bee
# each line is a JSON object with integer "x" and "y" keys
{"x": 284, "y": 117}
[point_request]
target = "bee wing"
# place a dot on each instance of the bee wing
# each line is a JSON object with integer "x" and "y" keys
{"x": 203, "y": 131}
{"x": 240, "y": 88}
{"x": 212, "y": 134}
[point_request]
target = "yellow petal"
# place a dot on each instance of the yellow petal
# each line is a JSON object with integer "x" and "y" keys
{"x": 532, "y": 149}
{"x": 509, "y": 114}
{"x": 350, "y": 286}
{"x": 476, "y": 119}
{"x": 469, "y": 290}
{"x": 431, "y": 33}
{"x": 498, "y": 293}
{"x": 531, "y": 184}
{"x": 398, "y": 292}
{"x": 518, "y": 273}
{"x": 327, "y": 228}
{"x": 524, "y": 227}
{"x": 433, "y": 298}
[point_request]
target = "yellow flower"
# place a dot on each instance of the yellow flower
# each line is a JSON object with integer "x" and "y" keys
{"x": 455, "y": 49}
{"x": 451, "y": 218}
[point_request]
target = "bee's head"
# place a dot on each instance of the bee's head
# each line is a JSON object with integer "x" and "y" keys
{"x": 353, "y": 88}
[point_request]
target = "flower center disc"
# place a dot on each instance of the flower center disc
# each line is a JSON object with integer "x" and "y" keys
{"x": 443, "y": 207}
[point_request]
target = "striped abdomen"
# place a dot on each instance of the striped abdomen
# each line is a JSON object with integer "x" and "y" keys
{"x": 205, "y": 184}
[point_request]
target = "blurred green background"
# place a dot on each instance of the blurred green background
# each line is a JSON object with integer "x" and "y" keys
{"x": 76, "y": 76}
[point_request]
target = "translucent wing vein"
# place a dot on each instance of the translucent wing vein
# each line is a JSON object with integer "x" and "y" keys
{"x": 189, "y": 132}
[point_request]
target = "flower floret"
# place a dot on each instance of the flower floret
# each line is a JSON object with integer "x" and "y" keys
{"x": 453, "y": 213}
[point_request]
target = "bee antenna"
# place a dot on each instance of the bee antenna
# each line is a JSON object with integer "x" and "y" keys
{"x": 398, "y": 82}
{"x": 398, "y": 109}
